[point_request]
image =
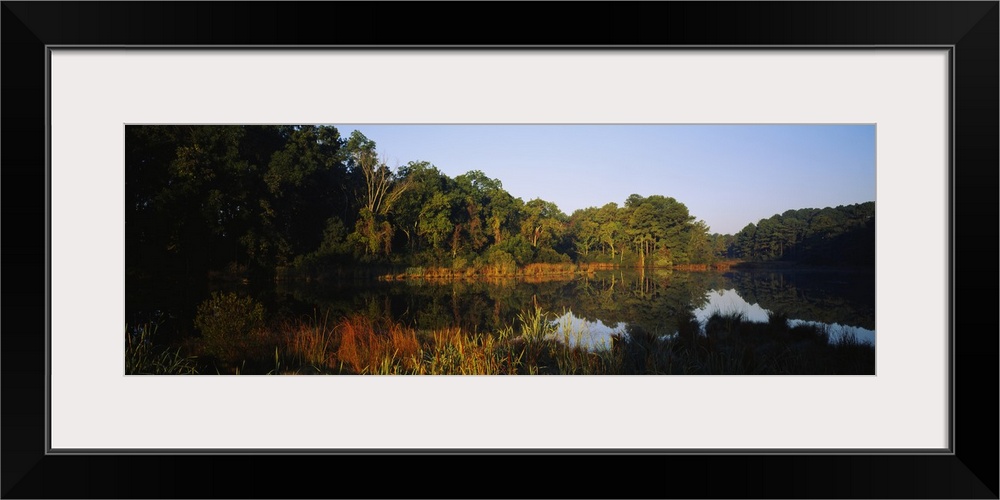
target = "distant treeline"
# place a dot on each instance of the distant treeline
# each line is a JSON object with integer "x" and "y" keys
{"x": 841, "y": 235}
{"x": 258, "y": 199}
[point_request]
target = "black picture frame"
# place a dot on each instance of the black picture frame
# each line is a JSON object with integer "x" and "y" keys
{"x": 970, "y": 28}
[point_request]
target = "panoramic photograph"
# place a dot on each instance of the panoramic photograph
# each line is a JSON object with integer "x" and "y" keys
{"x": 548, "y": 249}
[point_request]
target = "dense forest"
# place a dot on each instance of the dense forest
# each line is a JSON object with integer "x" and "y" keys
{"x": 274, "y": 201}
{"x": 307, "y": 217}
{"x": 841, "y": 235}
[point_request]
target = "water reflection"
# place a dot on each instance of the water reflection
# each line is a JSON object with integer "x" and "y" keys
{"x": 727, "y": 302}
{"x": 730, "y": 302}
{"x": 604, "y": 302}
{"x": 593, "y": 307}
{"x": 589, "y": 334}
{"x": 595, "y": 334}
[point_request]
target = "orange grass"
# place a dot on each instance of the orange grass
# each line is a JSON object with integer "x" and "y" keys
{"x": 535, "y": 269}
{"x": 364, "y": 343}
{"x": 311, "y": 341}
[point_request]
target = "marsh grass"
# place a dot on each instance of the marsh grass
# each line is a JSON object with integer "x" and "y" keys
{"x": 143, "y": 357}
{"x": 851, "y": 355}
{"x": 311, "y": 339}
{"x": 365, "y": 344}
{"x": 535, "y": 325}
{"x": 498, "y": 265}
{"x": 734, "y": 345}
{"x": 726, "y": 343}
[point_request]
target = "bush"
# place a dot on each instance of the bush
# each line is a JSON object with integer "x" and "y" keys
{"x": 518, "y": 248}
{"x": 501, "y": 263}
{"x": 660, "y": 260}
{"x": 228, "y": 322}
{"x": 549, "y": 256}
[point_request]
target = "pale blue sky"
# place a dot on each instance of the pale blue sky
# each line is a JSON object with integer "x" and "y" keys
{"x": 727, "y": 175}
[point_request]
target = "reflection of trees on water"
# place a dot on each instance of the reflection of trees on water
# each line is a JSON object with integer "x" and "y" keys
{"x": 653, "y": 301}
{"x": 487, "y": 306}
{"x": 473, "y": 306}
{"x": 844, "y": 297}
{"x": 649, "y": 301}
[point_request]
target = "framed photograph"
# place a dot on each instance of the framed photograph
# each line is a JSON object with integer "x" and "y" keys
{"x": 911, "y": 88}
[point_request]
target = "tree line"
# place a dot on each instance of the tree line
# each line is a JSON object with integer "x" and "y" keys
{"x": 258, "y": 198}
{"x": 831, "y": 235}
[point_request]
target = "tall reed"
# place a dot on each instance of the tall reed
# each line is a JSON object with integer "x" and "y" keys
{"x": 143, "y": 357}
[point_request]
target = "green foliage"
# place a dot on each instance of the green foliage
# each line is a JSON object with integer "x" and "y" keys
{"x": 359, "y": 143}
{"x": 549, "y": 256}
{"x": 543, "y": 223}
{"x": 663, "y": 258}
{"x": 728, "y": 344}
{"x": 372, "y": 235}
{"x": 200, "y": 197}
{"x": 227, "y": 321}
{"x": 435, "y": 220}
{"x": 518, "y": 248}
{"x": 501, "y": 263}
{"x": 334, "y": 237}
{"x": 840, "y": 235}
{"x": 535, "y": 324}
{"x": 270, "y": 198}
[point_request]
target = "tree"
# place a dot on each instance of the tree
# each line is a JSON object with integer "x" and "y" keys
{"x": 474, "y": 189}
{"x": 189, "y": 196}
{"x": 435, "y": 219}
{"x": 658, "y": 225}
{"x": 543, "y": 223}
{"x": 699, "y": 248}
{"x": 827, "y": 235}
{"x": 503, "y": 215}
{"x": 584, "y": 230}
{"x": 610, "y": 228}
{"x": 304, "y": 180}
{"x": 424, "y": 180}
{"x": 641, "y": 225}
{"x": 381, "y": 187}
{"x": 380, "y": 190}
{"x": 745, "y": 241}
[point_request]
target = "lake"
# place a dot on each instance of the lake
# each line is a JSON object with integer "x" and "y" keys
{"x": 589, "y": 309}
{"x": 654, "y": 322}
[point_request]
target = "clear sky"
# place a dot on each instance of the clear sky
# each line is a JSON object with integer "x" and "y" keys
{"x": 727, "y": 175}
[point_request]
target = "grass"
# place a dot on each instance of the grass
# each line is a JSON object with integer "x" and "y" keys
{"x": 733, "y": 345}
{"x": 143, "y": 357}
{"x": 562, "y": 269}
{"x": 365, "y": 344}
{"x": 310, "y": 341}
{"x": 535, "y": 325}
{"x": 727, "y": 343}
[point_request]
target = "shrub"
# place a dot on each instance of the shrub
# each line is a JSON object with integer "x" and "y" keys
{"x": 550, "y": 256}
{"x": 518, "y": 248}
{"x": 501, "y": 263}
{"x": 228, "y": 323}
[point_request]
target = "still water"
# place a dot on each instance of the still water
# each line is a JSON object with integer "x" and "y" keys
{"x": 596, "y": 334}
{"x": 589, "y": 309}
